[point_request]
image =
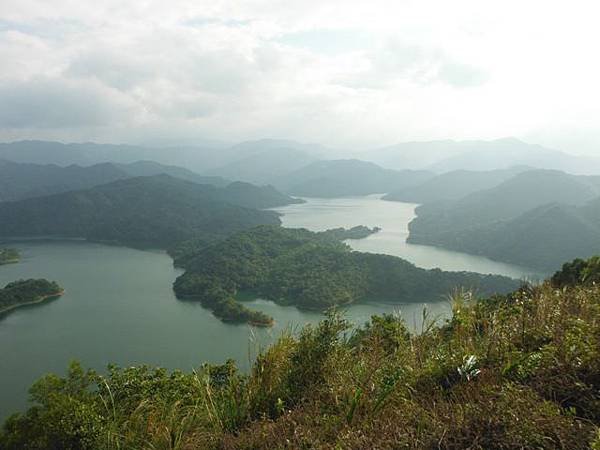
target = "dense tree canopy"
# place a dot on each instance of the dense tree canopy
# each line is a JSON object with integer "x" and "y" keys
{"x": 27, "y": 291}
{"x": 314, "y": 271}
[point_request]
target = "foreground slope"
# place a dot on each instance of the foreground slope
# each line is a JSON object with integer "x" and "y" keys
{"x": 520, "y": 371}
{"x": 159, "y": 211}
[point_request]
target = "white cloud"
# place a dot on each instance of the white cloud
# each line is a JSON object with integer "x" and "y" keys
{"x": 345, "y": 72}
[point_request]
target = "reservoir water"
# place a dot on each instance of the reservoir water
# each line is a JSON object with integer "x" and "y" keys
{"x": 119, "y": 306}
{"x": 319, "y": 214}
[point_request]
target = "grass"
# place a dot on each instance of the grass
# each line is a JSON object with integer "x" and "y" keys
{"x": 511, "y": 372}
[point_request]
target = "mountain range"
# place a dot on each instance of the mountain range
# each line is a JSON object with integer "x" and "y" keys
{"x": 158, "y": 211}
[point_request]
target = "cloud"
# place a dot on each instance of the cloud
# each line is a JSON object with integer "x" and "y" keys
{"x": 56, "y": 103}
{"x": 345, "y": 72}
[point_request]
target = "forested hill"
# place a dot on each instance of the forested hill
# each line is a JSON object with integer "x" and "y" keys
{"x": 537, "y": 219}
{"x": 316, "y": 271}
{"x": 158, "y": 211}
{"x": 19, "y": 181}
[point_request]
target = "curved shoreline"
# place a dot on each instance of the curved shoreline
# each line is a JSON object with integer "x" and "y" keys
{"x": 38, "y": 300}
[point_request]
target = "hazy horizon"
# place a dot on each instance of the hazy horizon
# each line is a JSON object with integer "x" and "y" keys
{"x": 347, "y": 75}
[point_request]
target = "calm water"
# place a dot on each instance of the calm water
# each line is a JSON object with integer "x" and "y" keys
{"x": 319, "y": 214}
{"x": 119, "y": 306}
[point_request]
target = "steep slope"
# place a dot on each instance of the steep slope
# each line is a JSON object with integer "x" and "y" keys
{"x": 347, "y": 177}
{"x": 453, "y": 185}
{"x": 159, "y": 211}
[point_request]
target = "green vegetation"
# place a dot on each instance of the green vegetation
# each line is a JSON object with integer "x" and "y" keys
{"x": 536, "y": 219}
{"x": 577, "y": 272}
{"x": 25, "y": 292}
{"x": 9, "y": 256}
{"x": 518, "y": 371}
{"x": 313, "y": 271}
{"x": 158, "y": 211}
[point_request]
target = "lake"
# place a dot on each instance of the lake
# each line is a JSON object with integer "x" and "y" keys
{"x": 119, "y": 306}
{"x": 319, "y": 214}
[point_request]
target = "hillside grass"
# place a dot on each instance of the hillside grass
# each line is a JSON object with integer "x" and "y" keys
{"x": 512, "y": 372}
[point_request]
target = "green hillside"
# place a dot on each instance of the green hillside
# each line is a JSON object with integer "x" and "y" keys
{"x": 158, "y": 211}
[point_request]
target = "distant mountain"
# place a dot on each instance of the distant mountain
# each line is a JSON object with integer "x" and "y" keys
{"x": 20, "y": 181}
{"x": 542, "y": 238}
{"x": 159, "y": 211}
{"x": 453, "y": 185}
{"x": 347, "y": 177}
{"x": 149, "y": 168}
{"x": 48, "y": 152}
{"x": 25, "y": 180}
{"x": 264, "y": 166}
{"x": 446, "y": 156}
{"x": 537, "y": 218}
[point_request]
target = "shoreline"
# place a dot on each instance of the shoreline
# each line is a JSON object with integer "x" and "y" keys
{"x": 38, "y": 300}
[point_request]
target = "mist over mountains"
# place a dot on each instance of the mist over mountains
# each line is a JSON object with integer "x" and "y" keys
{"x": 261, "y": 161}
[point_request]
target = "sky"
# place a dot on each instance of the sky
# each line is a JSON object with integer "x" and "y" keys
{"x": 347, "y": 74}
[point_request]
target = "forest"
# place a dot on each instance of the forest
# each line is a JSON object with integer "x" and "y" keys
{"x": 23, "y": 292}
{"x": 314, "y": 271}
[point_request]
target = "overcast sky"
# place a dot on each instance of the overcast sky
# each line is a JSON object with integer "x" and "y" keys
{"x": 349, "y": 74}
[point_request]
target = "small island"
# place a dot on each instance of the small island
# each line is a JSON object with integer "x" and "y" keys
{"x": 27, "y": 292}
{"x": 9, "y": 256}
{"x": 357, "y": 232}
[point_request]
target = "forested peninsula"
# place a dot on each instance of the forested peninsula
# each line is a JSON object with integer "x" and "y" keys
{"x": 311, "y": 271}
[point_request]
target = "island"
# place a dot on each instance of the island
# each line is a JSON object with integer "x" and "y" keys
{"x": 357, "y": 232}
{"x": 27, "y": 292}
{"x": 312, "y": 271}
{"x": 9, "y": 256}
